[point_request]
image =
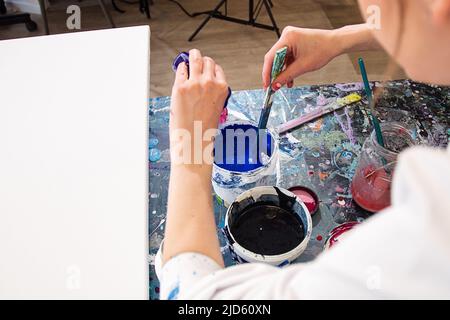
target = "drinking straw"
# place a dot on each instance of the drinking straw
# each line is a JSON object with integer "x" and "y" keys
{"x": 375, "y": 122}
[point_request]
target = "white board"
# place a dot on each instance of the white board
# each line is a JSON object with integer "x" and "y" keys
{"x": 74, "y": 165}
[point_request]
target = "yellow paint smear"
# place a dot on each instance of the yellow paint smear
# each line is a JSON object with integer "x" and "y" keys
{"x": 351, "y": 98}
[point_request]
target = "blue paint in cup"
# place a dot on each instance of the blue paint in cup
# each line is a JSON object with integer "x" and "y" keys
{"x": 244, "y": 157}
{"x": 242, "y": 147}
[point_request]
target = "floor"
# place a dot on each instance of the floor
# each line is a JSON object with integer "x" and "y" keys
{"x": 238, "y": 48}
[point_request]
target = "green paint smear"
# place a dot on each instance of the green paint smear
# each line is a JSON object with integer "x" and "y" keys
{"x": 327, "y": 139}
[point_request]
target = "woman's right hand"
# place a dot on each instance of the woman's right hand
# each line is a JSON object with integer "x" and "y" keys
{"x": 308, "y": 50}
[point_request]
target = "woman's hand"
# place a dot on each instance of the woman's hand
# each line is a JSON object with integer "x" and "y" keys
{"x": 308, "y": 50}
{"x": 201, "y": 96}
{"x": 311, "y": 49}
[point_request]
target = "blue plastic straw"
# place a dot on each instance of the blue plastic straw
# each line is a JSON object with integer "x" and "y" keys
{"x": 376, "y": 123}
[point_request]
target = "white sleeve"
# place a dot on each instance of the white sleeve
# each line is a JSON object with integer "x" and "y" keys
{"x": 340, "y": 273}
{"x": 402, "y": 252}
{"x": 196, "y": 276}
{"x": 183, "y": 272}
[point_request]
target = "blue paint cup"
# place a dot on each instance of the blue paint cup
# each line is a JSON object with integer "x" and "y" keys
{"x": 244, "y": 157}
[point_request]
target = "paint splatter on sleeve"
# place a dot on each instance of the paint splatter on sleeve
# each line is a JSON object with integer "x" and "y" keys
{"x": 182, "y": 272}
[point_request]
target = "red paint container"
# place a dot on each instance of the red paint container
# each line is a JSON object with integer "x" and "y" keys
{"x": 308, "y": 197}
{"x": 371, "y": 188}
{"x": 338, "y": 233}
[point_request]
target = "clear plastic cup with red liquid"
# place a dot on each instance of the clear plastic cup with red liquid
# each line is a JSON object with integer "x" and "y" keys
{"x": 371, "y": 184}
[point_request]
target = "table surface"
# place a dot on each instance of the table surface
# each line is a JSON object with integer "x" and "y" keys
{"x": 73, "y": 186}
{"x": 321, "y": 155}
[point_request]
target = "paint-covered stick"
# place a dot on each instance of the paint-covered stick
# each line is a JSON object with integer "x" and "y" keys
{"x": 295, "y": 123}
{"x": 277, "y": 67}
{"x": 340, "y": 103}
{"x": 375, "y": 122}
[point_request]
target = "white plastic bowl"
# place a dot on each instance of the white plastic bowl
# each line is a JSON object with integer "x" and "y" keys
{"x": 242, "y": 255}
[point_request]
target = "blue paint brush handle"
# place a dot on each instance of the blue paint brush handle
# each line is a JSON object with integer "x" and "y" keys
{"x": 265, "y": 112}
{"x": 367, "y": 89}
{"x": 375, "y": 122}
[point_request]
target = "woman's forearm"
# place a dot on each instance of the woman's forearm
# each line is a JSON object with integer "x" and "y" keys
{"x": 190, "y": 225}
{"x": 357, "y": 37}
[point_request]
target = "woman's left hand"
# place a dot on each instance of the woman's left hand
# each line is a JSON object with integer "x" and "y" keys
{"x": 199, "y": 97}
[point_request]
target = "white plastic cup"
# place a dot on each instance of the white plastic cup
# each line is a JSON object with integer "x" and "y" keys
{"x": 250, "y": 197}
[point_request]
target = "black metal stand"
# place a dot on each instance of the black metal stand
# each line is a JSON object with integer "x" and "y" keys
{"x": 15, "y": 18}
{"x": 143, "y": 6}
{"x": 253, "y": 13}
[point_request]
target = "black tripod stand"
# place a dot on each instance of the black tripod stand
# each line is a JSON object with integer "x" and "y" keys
{"x": 253, "y": 13}
{"x": 7, "y": 19}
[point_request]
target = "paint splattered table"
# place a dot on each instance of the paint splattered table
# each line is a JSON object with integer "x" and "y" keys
{"x": 321, "y": 155}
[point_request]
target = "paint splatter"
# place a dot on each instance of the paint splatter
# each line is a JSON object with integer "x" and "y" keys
{"x": 154, "y": 155}
{"x": 346, "y": 128}
{"x": 349, "y": 87}
{"x": 328, "y": 139}
{"x": 321, "y": 100}
{"x": 153, "y": 142}
{"x": 173, "y": 294}
{"x": 323, "y": 176}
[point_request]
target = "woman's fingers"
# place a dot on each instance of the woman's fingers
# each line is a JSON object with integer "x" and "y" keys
{"x": 289, "y": 60}
{"x": 288, "y": 75}
{"x": 290, "y": 84}
{"x": 209, "y": 68}
{"x": 182, "y": 74}
{"x": 268, "y": 61}
{"x": 195, "y": 64}
{"x": 220, "y": 75}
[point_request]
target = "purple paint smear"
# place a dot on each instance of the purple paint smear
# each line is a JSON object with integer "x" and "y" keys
{"x": 348, "y": 130}
{"x": 350, "y": 87}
